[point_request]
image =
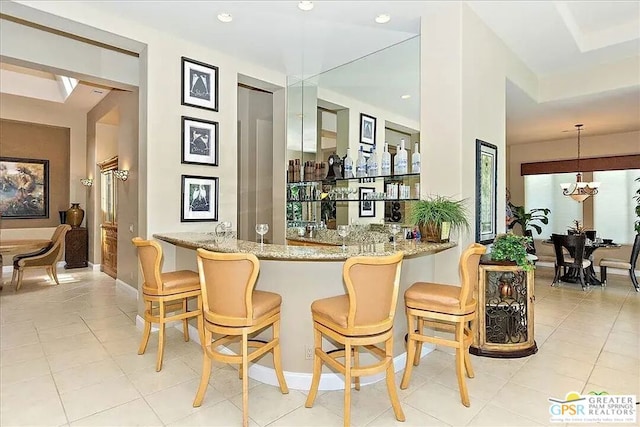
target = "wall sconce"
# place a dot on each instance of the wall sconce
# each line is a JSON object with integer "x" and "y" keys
{"x": 87, "y": 182}
{"x": 121, "y": 174}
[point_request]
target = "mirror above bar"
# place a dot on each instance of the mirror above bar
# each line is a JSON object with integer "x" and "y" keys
{"x": 354, "y": 108}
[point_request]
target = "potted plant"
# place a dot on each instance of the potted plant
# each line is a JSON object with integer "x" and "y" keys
{"x": 511, "y": 247}
{"x": 437, "y": 216}
{"x": 527, "y": 219}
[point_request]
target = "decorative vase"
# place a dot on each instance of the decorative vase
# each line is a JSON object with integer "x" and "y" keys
{"x": 75, "y": 215}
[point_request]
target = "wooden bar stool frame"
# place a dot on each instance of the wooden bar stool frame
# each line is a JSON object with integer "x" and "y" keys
{"x": 157, "y": 305}
{"x": 461, "y": 321}
{"x": 358, "y": 335}
{"x": 234, "y": 328}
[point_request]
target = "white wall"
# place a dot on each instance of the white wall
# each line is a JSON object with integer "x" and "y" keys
{"x": 50, "y": 113}
{"x": 160, "y": 112}
{"x": 464, "y": 68}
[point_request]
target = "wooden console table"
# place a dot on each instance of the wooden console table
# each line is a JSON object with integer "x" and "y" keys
{"x": 504, "y": 326}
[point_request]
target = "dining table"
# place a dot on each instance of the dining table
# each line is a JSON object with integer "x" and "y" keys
{"x": 10, "y": 247}
{"x": 572, "y": 276}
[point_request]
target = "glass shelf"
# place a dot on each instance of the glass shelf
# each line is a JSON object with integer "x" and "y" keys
{"x": 363, "y": 179}
{"x": 350, "y": 200}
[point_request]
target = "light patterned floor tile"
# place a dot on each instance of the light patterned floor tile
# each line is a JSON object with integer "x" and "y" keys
{"x": 86, "y": 375}
{"x": 366, "y": 404}
{"x": 444, "y": 404}
{"x": 134, "y": 413}
{"x": 413, "y": 416}
{"x": 616, "y": 381}
{"x": 493, "y": 416}
{"x": 173, "y": 372}
{"x": 525, "y": 402}
{"x": 175, "y": 403}
{"x": 316, "y": 416}
{"x": 24, "y": 371}
{"x": 221, "y": 414}
{"x": 267, "y": 403}
{"x": 87, "y": 401}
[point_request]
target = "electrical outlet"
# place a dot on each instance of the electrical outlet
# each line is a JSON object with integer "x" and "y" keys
{"x": 308, "y": 352}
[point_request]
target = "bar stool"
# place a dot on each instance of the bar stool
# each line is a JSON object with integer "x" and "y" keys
{"x": 165, "y": 293}
{"x": 361, "y": 318}
{"x": 448, "y": 305}
{"x": 235, "y": 310}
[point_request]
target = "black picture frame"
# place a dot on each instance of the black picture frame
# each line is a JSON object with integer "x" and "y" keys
{"x": 199, "y": 141}
{"x": 486, "y": 191}
{"x": 366, "y": 208}
{"x": 199, "y": 198}
{"x": 199, "y": 84}
{"x": 367, "y": 129}
{"x": 24, "y": 189}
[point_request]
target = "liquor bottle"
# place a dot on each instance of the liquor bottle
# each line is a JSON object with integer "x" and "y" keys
{"x": 402, "y": 159}
{"x": 348, "y": 165}
{"x": 386, "y": 160}
{"x": 372, "y": 163}
{"x": 415, "y": 159}
{"x": 361, "y": 165}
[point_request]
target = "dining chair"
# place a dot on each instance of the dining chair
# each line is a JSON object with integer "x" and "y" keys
{"x": 448, "y": 306}
{"x": 623, "y": 264}
{"x": 234, "y": 311}
{"x": 47, "y": 257}
{"x": 573, "y": 259}
{"x": 164, "y": 294}
{"x": 360, "y": 319}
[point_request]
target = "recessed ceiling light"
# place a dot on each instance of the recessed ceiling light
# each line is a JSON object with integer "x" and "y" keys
{"x": 405, "y": 96}
{"x": 225, "y": 17}
{"x": 305, "y": 5}
{"x": 383, "y": 18}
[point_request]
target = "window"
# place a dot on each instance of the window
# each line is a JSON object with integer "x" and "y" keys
{"x": 543, "y": 191}
{"x": 614, "y": 206}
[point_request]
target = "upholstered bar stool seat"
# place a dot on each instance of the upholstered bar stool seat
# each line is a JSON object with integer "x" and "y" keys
{"x": 436, "y": 297}
{"x": 450, "y": 307}
{"x": 360, "y": 319}
{"x": 165, "y": 293}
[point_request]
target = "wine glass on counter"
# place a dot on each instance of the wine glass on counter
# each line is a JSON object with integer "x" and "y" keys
{"x": 222, "y": 231}
{"x": 394, "y": 229}
{"x": 262, "y": 229}
{"x": 343, "y": 231}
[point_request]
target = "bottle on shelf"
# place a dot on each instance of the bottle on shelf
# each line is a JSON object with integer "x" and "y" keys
{"x": 372, "y": 163}
{"x": 386, "y": 160}
{"x": 348, "y": 165}
{"x": 361, "y": 165}
{"x": 401, "y": 159}
{"x": 415, "y": 159}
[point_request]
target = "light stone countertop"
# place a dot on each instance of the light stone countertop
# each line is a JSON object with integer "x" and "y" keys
{"x": 193, "y": 240}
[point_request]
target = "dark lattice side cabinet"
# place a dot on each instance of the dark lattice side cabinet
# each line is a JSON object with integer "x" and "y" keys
{"x": 76, "y": 249}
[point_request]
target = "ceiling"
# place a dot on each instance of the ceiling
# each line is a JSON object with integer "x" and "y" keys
{"x": 551, "y": 38}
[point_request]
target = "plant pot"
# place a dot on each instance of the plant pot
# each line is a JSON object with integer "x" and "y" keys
{"x": 436, "y": 233}
{"x": 75, "y": 215}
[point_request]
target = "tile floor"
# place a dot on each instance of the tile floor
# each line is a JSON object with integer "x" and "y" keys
{"x": 68, "y": 357}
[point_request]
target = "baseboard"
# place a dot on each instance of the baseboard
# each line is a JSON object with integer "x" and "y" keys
{"x": 296, "y": 380}
{"x": 127, "y": 288}
{"x": 94, "y": 267}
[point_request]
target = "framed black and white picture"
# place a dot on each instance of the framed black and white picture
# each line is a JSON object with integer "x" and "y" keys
{"x": 486, "y": 191}
{"x": 199, "y": 84}
{"x": 367, "y": 207}
{"x": 367, "y": 129}
{"x": 199, "y": 141}
{"x": 199, "y": 198}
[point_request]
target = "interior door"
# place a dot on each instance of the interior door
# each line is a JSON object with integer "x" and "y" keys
{"x": 109, "y": 224}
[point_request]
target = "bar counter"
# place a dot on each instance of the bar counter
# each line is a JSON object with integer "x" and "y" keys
{"x": 333, "y": 251}
{"x": 301, "y": 275}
